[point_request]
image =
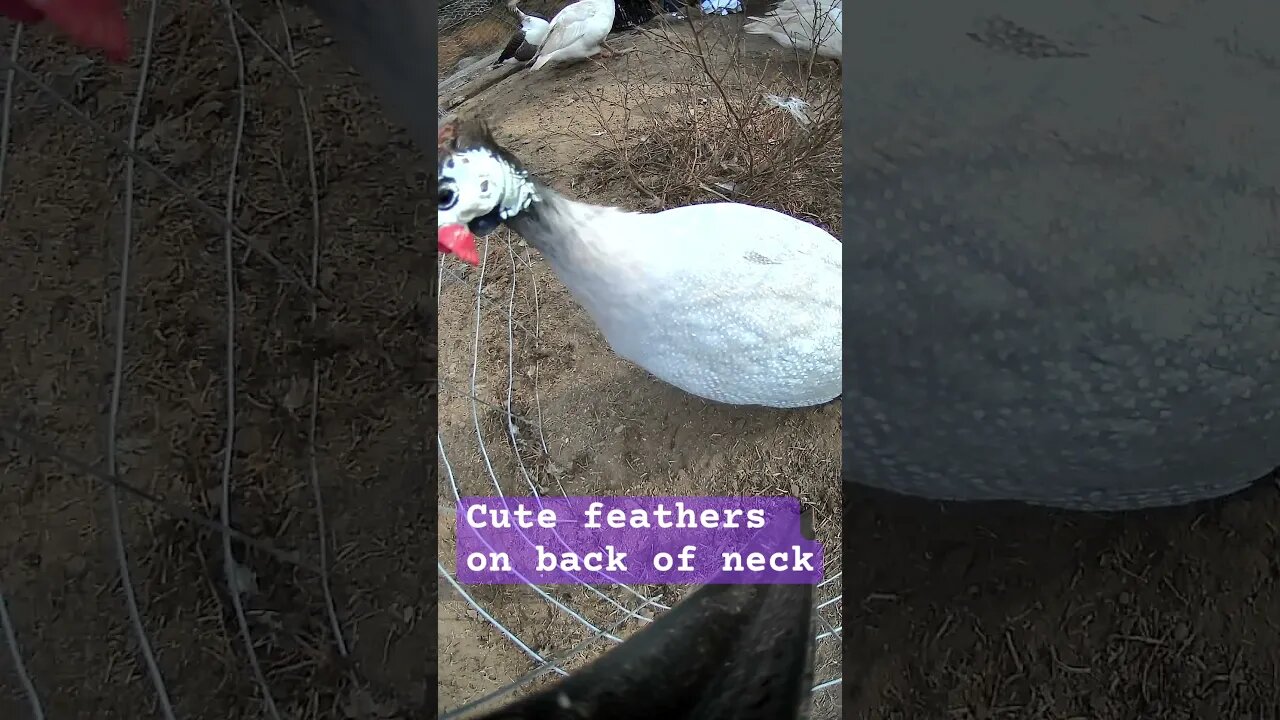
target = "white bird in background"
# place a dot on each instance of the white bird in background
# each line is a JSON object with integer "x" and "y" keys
{"x": 734, "y": 303}
{"x": 577, "y": 33}
{"x": 805, "y": 25}
{"x": 524, "y": 43}
{"x": 721, "y": 7}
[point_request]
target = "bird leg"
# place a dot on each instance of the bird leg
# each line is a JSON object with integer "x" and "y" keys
{"x": 608, "y": 52}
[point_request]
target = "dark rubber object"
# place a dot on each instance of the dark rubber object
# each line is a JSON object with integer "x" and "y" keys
{"x": 727, "y": 652}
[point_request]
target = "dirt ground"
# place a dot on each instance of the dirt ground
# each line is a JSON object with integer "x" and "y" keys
{"x": 61, "y": 230}
{"x": 609, "y": 428}
{"x": 993, "y": 611}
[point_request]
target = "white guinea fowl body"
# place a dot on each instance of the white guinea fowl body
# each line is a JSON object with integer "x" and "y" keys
{"x": 576, "y": 32}
{"x": 733, "y": 303}
{"x": 805, "y": 25}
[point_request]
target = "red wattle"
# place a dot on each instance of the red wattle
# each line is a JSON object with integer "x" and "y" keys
{"x": 457, "y": 239}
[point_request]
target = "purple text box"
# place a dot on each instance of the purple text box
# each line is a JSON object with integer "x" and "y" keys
{"x": 634, "y": 540}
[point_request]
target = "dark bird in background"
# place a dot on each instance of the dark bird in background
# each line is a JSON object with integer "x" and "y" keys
{"x": 523, "y": 45}
{"x": 633, "y": 13}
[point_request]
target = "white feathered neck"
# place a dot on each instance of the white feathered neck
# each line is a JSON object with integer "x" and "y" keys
{"x": 557, "y": 226}
{"x": 734, "y": 303}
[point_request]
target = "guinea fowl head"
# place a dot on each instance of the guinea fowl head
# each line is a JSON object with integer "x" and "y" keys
{"x": 481, "y": 186}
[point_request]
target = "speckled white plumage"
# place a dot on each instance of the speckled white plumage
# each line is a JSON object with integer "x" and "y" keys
{"x": 733, "y": 303}
{"x": 730, "y": 302}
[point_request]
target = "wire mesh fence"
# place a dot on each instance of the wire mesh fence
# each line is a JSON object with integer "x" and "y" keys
{"x": 472, "y": 29}
{"x": 216, "y": 356}
{"x": 531, "y": 635}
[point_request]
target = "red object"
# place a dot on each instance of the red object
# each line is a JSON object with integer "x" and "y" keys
{"x": 457, "y": 239}
{"x": 91, "y": 24}
{"x": 20, "y": 11}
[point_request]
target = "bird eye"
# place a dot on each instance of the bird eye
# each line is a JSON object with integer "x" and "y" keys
{"x": 448, "y": 197}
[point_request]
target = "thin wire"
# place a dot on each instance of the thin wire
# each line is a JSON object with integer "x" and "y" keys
{"x": 321, "y": 527}
{"x": 448, "y": 468}
{"x": 444, "y": 458}
{"x": 10, "y": 83}
{"x": 537, "y": 363}
{"x": 450, "y": 386}
{"x": 828, "y": 684}
{"x": 10, "y": 634}
{"x": 11, "y": 639}
{"x": 117, "y": 382}
{"x": 537, "y": 672}
{"x": 290, "y": 66}
{"x": 13, "y": 430}
{"x": 142, "y": 160}
{"x": 452, "y": 276}
{"x": 484, "y": 451}
{"x": 492, "y": 620}
{"x": 515, "y": 448}
{"x": 229, "y": 563}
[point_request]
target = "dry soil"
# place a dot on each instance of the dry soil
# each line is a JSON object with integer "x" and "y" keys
{"x": 62, "y": 216}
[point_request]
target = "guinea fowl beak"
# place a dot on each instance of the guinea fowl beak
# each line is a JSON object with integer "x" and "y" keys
{"x": 457, "y": 239}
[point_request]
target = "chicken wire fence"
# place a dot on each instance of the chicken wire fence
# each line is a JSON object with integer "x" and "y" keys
{"x": 473, "y": 29}
{"x": 568, "y": 626}
{"x": 213, "y": 155}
